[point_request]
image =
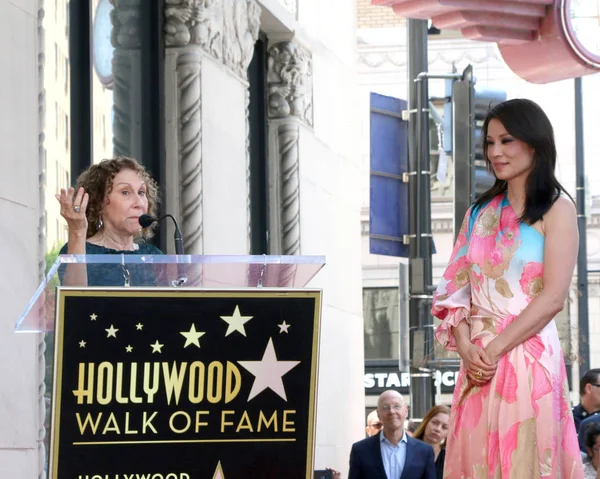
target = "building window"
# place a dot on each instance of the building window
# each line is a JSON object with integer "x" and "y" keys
{"x": 381, "y": 321}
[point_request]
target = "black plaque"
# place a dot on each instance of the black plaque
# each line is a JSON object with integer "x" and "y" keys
{"x": 184, "y": 384}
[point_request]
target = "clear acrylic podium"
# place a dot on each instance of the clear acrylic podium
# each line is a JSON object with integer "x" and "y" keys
{"x": 167, "y": 271}
{"x": 145, "y": 343}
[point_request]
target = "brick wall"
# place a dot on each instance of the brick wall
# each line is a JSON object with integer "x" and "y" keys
{"x": 371, "y": 16}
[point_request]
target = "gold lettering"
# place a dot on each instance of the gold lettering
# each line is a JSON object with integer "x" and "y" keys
{"x": 88, "y": 421}
{"x": 83, "y": 391}
{"x": 188, "y": 422}
{"x": 196, "y": 394}
{"x": 127, "y": 430}
{"x": 233, "y": 382}
{"x": 104, "y": 396}
{"x": 241, "y": 424}
{"x": 132, "y": 385}
{"x": 262, "y": 419}
{"x": 151, "y": 390}
{"x": 173, "y": 380}
{"x": 215, "y": 382}
{"x": 147, "y": 422}
{"x": 119, "y": 387}
{"x": 198, "y": 423}
{"x": 286, "y": 423}
{"x": 111, "y": 424}
{"x": 223, "y": 422}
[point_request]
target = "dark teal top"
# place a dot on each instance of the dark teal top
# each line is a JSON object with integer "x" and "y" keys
{"x": 113, "y": 274}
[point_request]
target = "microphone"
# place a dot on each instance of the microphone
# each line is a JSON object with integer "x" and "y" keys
{"x": 147, "y": 220}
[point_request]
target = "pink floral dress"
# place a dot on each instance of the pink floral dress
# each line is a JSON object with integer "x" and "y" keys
{"x": 519, "y": 425}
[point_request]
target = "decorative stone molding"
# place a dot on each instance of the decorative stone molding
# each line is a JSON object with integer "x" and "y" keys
{"x": 289, "y": 134}
{"x": 125, "y": 38}
{"x": 290, "y": 82}
{"x": 188, "y": 71}
{"x": 125, "y": 19}
{"x": 289, "y": 78}
{"x": 224, "y": 29}
{"x": 375, "y": 57}
{"x": 41, "y": 343}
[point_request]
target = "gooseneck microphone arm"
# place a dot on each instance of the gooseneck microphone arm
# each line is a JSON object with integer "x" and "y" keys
{"x": 147, "y": 220}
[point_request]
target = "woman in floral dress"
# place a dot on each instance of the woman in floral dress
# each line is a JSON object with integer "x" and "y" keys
{"x": 508, "y": 276}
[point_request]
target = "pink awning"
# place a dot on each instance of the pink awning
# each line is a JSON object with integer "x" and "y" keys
{"x": 528, "y": 32}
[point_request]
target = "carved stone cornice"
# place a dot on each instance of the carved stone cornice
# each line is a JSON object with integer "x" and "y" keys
{"x": 289, "y": 80}
{"x": 225, "y": 29}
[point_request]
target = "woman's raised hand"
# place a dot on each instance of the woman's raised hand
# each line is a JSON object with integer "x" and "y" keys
{"x": 72, "y": 208}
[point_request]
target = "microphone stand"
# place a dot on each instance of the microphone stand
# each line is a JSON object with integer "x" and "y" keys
{"x": 146, "y": 220}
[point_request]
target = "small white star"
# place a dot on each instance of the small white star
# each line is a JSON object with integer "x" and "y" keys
{"x": 283, "y": 327}
{"x": 82, "y": 344}
{"x": 112, "y": 331}
{"x": 93, "y": 316}
{"x": 129, "y": 348}
{"x": 156, "y": 347}
{"x": 192, "y": 337}
{"x": 139, "y": 326}
{"x": 236, "y": 322}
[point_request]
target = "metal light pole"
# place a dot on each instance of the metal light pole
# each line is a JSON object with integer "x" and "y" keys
{"x": 420, "y": 276}
{"x": 582, "y": 272}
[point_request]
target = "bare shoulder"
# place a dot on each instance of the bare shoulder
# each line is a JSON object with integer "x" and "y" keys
{"x": 561, "y": 219}
{"x": 563, "y": 209}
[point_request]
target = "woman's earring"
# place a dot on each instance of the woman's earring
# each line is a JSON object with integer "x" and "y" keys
{"x": 99, "y": 224}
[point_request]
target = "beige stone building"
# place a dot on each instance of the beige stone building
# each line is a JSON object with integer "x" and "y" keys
{"x": 310, "y": 132}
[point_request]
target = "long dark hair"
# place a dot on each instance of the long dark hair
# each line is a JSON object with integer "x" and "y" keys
{"x": 526, "y": 121}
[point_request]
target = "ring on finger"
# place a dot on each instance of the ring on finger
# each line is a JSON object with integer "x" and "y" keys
{"x": 77, "y": 208}
{"x": 479, "y": 374}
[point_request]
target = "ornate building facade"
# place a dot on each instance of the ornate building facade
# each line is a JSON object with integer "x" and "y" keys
{"x": 309, "y": 174}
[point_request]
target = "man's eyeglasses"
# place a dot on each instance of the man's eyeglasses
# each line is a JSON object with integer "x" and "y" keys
{"x": 393, "y": 407}
{"x": 596, "y": 385}
{"x": 377, "y": 425}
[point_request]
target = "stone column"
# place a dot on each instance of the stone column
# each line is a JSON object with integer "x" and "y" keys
{"x": 125, "y": 38}
{"x": 290, "y": 108}
{"x": 209, "y": 44}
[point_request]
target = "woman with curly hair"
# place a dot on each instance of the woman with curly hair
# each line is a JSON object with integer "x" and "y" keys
{"x": 433, "y": 430}
{"x": 102, "y": 215}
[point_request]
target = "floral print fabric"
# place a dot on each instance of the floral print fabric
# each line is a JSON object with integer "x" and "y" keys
{"x": 519, "y": 425}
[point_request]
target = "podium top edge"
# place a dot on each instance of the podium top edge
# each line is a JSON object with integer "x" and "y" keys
{"x": 127, "y": 258}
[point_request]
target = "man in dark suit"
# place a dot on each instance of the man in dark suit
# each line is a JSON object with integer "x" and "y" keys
{"x": 391, "y": 454}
